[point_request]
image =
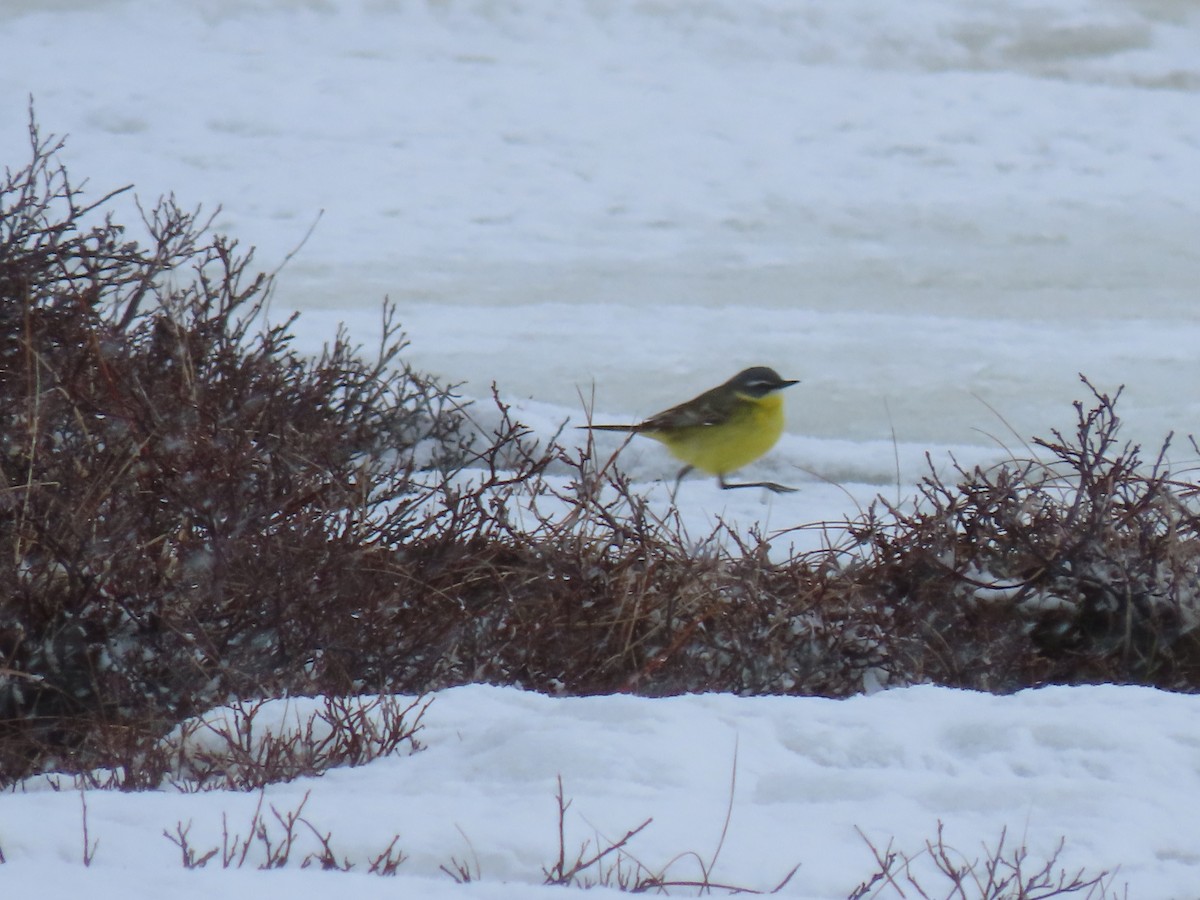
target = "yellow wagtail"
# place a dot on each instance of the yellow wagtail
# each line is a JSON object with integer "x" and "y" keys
{"x": 723, "y": 429}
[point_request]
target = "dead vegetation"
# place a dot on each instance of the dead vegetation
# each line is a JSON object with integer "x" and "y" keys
{"x": 279, "y": 837}
{"x": 192, "y": 510}
{"x": 275, "y": 841}
{"x": 999, "y": 871}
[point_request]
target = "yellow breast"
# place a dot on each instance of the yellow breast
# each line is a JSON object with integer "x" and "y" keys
{"x": 750, "y": 431}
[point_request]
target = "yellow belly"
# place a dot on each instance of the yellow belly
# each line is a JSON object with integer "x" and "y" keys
{"x": 750, "y": 432}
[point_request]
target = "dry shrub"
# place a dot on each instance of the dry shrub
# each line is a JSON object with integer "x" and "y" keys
{"x": 275, "y": 841}
{"x": 1081, "y": 568}
{"x": 191, "y": 509}
{"x": 252, "y": 743}
{"x": 998, "y": 871}
{"x": 193, "y": 512}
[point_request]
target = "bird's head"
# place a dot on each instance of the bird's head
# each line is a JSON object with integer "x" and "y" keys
{"x": 758, "y": 381}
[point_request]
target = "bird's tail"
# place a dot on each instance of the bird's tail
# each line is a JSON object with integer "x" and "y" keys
{"x": 626, "y": 428}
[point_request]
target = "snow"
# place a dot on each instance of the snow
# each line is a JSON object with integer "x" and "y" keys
{"x": 935, "y": 214}
{"x": 1111, "y": 769}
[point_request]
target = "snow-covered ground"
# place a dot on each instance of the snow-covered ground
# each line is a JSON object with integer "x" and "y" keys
{"x": 920, "y": 209}
{"x": 934, "y": 213}
{"x": 1111, "y": 769}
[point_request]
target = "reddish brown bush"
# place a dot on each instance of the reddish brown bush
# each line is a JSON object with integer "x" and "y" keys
{"x": 192, "y": 511}
{"x": 1084, "y": 567}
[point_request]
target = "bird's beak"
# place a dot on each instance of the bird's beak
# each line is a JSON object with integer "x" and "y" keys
{"x": 784, "y": 384}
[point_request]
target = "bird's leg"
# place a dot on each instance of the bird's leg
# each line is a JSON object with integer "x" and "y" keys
{"x": 679, "y": 478}
{"x": 769, "y": 485}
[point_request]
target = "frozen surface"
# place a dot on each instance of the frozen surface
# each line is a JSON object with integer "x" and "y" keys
{"x": 1111, "y": 769}
{"x": 926, "y": 211}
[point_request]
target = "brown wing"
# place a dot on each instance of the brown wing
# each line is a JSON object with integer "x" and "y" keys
{"x": 710, "y": 408}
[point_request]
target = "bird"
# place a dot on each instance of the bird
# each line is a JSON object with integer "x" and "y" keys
{"x": 722, "y": 429}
